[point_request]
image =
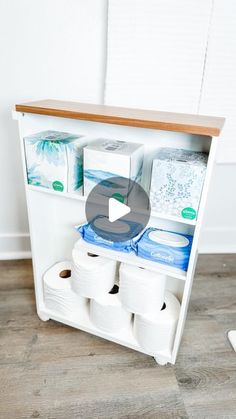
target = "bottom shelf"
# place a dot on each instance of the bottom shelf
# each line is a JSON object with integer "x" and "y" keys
{"x": 124, "y": 337}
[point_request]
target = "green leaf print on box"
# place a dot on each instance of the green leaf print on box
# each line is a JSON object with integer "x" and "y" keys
{"x": 35, "y": 178}
{"x": 53, "y": 151}
{"x": 78, "y": 173}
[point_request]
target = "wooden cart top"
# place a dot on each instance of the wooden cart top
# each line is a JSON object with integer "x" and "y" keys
{"x": 168, "y": 121}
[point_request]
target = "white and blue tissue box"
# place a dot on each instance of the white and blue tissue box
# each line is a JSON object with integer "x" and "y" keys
{"x": 177, "y": 181}
{"x": 165, "y": 247}
{"x": 54, "y": 160}
{"x": 104, "y": 159}
{"x": 109, "y": 238}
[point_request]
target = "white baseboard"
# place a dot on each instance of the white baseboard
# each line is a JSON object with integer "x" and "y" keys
{"x": 212, "y": 240}
{"x": 15, "y": 246}
{"x": 15, "y": 255}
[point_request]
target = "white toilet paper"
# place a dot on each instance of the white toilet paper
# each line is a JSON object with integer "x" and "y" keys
{"x": 58, "y": 294}
{"x": 141, "y": 291}
{"x": 92, "y": 275}
{"x": 107, "y": 313}
{"x": 155, "y": 332}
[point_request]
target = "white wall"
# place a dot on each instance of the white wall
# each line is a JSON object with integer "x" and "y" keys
{"x": 181, "y": 56}
{"x": 57, "y": 49}
{"x": 48, "y": 49}
{"x": 218, "y": 97}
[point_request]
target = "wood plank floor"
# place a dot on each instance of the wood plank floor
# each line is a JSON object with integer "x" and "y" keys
{"x": 51, "y": 371}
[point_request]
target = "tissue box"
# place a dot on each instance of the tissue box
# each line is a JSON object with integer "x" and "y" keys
{"x": 105, "y": 158}
{"x": 165, "y": 247}
{"x": 54, "y": 160}
{"x": 177, "y": 180}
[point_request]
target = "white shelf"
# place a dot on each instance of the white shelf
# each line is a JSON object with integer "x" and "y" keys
{"x": 173, "y": 218}
{"x": 124, "y": 337}
{"x": 80, "y": 197}
{"x": 132, "y": 259}
{"x": 75, "y": 195}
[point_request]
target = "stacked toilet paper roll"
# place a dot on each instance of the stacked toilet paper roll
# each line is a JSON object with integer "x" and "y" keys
{"x": 141, "y": 291}
{"x": 92, "y": 275}
{"x": 108, "y": 314}
{"x": 155, "y": 332}
{"x": 58, "y": 294}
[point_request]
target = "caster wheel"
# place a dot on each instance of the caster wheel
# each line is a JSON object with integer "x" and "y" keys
{"x": 44, "y": 317}
{"x": 160, "y": 360}
{"x": 232, "y": 338}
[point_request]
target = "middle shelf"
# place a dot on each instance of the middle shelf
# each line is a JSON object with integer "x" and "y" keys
{"x": 80, "y": 197}
{"x": 132, "y": 259}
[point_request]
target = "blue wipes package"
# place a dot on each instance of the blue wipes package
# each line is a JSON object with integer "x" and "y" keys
{"x": 166, "y": 247}
{"x": 108, "y": 238}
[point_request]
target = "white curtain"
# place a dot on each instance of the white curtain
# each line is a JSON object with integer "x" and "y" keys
{"x": 156, "y": 53}
{"x": 181, "y": 56}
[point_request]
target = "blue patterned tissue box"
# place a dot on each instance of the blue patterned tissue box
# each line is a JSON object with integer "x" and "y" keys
{"x": 177, "y": 181}
{"x": 54, "y": 160}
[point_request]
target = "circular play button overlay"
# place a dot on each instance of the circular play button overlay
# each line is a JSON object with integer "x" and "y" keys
{"x": 117, "y": 209}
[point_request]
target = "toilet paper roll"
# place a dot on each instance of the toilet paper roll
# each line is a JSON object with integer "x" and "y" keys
{"x": 92, "y": 275}
{"x": 107, "y": 313}
{"x": 141, "y": 291}
{"x": 155, "y": 333}
{"x": 58, "y": 294}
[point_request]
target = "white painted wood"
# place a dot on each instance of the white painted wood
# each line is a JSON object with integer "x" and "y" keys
{"x": 53, "y": 216}
{"x": 194, "y": 252}
{"x": 34, "y": 250}
{"x": 232, "y": 338}
{"x": 132, "y": 259}
{"x": 123, "y": 337}
{"x": 78, "y": 196}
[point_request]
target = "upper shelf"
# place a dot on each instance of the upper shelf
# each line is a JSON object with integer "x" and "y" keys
{"x": 168, "y": 121}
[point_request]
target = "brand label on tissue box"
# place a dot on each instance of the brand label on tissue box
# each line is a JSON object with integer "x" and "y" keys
{"x": 166, "y": 247}
{"x": 54, "y": 160}
{"x": 106, "y": 158}
{"x": 177, "y": 180}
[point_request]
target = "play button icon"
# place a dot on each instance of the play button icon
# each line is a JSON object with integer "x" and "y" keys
{"x": 117, "y": 209}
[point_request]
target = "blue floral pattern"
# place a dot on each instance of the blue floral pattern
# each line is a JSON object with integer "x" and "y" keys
{"x": 177, "y": 180}
{"x": 54, "y": 157}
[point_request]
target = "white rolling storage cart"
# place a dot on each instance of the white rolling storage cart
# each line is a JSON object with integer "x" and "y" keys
{"x": 54, "y": 214}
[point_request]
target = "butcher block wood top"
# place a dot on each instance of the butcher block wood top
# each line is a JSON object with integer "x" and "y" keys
{"x": 168, "y": 121}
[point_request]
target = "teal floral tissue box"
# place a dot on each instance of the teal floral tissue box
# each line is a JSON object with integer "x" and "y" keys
{"x": 177, "y": 181}
{"x": 54, "y": 160}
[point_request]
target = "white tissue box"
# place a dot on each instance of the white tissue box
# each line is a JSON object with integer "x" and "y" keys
{"x": 106, "y": 158}
{"x": 54, "y": 160}
{"x": 177, "y": 181}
